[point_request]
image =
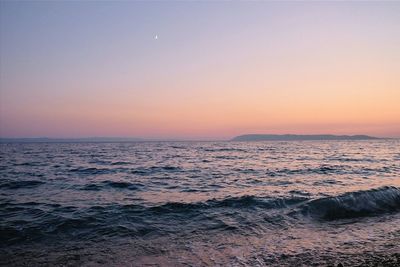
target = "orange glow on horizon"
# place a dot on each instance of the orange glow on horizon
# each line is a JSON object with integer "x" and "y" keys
{"x": 323, "y": 69}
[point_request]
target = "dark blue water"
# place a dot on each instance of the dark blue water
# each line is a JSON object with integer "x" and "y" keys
{"x": 200, "y": 203}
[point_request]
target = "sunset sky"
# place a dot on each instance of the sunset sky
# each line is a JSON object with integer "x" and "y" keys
{"x": 215, "y": 70}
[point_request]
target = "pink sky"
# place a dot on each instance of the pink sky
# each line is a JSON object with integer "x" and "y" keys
{"x": 216, "y": 70}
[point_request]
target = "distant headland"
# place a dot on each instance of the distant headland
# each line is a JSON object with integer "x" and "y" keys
{"x": 298, "y": 137}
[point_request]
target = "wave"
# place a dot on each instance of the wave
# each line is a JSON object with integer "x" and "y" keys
{"x": 347, "y": 159}
{"x": 231, "y": 202}
{"x": 112, "y": 184}
{"x": 325, "y": 170}
{"x": 143, "y": 171}
{"x": 330, "y": 170}
{"x": 120, "y": 163}
{"x": 355, "y": 204}
{"x": 33, "y": 221}
{"x": 21, "y": 184}
{"x": 92, "y": 171}
{"x": 224, "y": 150}
{"x": 29, "y": 164}
{"x": 40, "y": 220}
{"x": 155, "y": 169}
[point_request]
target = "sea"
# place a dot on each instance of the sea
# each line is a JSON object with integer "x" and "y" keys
{"x": 273, "y": 203}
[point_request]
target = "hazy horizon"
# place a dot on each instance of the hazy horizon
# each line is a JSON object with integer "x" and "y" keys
{"x": 183, "y": 139}
{"x": 212, "y": 70}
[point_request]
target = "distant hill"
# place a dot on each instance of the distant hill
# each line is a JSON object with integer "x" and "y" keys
{"x": 296, "y": 137}
{"x": 71, "y": 140}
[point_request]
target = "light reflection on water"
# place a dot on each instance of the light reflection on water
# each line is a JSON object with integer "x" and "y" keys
{"x": 209, "y": 202}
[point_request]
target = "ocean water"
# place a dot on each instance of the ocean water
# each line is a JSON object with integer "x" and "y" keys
{"x": 200, "y": 203}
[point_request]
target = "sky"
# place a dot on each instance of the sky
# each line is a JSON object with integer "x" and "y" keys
{"x": 215, "y": 70}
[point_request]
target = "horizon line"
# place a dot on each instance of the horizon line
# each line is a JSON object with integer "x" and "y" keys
{"x": 158, "y": 139}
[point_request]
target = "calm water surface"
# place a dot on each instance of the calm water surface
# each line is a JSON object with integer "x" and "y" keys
{"x": 200, "y": 203}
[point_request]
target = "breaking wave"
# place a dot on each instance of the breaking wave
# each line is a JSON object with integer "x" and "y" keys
{"x": 355, "y": 204}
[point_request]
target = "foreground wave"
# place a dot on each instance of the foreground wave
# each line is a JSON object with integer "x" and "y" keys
{"x": 39, "y": 220}
{"x": 355, "y": 204}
